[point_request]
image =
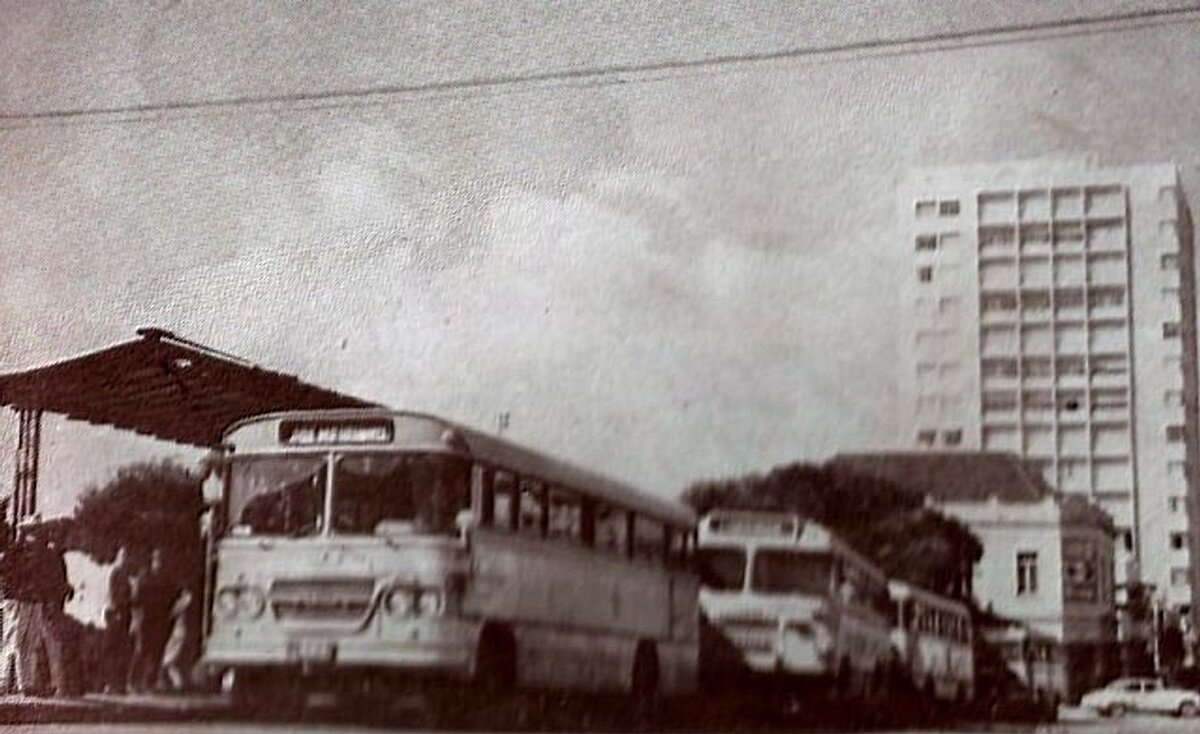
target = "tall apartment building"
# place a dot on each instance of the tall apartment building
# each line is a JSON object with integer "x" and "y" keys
{"x": 1053, "y": 315}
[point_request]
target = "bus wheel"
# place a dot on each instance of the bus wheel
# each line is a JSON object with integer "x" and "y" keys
{"x": 842, "y": 679}
{"x": 643, "y": 683}
{"x": 879, "y": 686}
{"x": 265, "y": 693}
{"x": 643, "y": 679}
{"x": 929, "y": 689}
{"x": 496, "y": 661}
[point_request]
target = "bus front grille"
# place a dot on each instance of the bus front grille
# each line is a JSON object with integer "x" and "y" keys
{"x": 751, "y": 636}
{"x": 322, "y": 600}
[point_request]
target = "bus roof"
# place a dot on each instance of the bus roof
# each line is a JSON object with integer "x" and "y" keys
{"x": 775, "y": 530}
{"x": 504, "y": 454}
{"x": 902, "y": 590}
{"x": 762, "y": 527}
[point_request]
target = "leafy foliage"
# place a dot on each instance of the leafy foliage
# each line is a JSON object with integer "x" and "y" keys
{"x": 890, "y": 526}
{"x": 153, "y": 505}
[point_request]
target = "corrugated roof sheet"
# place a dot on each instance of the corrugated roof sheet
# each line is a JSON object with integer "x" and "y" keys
{"x": 962, "y": 476}
{"x": 164, "y": 386}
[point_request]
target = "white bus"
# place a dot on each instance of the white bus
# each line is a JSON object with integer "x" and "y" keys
{"x": 795, "y": 600}
{"x": 371, "y": 546}
{"x": 934, "y": 639}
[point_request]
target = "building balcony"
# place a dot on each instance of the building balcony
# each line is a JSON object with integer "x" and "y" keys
{"x": 1107, "y": 314}
{"x": 993, "y": 316}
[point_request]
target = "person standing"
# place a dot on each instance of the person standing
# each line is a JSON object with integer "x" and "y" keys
{"x": 39, "y": 586}
{"x": 117, "y": 610}
{"x": 153, "y": 596}
{"x": 178, "y": 655}
{"x": 9, "y": 609}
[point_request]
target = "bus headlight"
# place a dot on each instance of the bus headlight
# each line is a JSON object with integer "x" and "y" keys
{"x": 234, "y": 601}
{"x": 400, "y": 601}
{"x": 252, "y": 602}
{"x": 227, "y": 602}
{"x": 429, "y": 603}
{"x": 822, "y": 640}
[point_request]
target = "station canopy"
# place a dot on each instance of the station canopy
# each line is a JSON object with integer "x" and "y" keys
{"x": 164, "y": 386}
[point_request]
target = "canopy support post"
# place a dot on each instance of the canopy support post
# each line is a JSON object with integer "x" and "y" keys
{"x": 29, "y": 439}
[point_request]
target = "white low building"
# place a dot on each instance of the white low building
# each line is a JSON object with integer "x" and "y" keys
{"x": 1047, "y": 557}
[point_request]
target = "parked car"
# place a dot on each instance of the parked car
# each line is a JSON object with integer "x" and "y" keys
{"x": 1142, "y": 694}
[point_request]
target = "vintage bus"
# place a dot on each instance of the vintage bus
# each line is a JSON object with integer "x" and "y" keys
{"x": 934, "y": 641}
{"x": 796, "y": 601}
{"x": 373, "y": 546}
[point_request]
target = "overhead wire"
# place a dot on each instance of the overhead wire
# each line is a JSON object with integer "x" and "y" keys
{"x": 611, "y": 75}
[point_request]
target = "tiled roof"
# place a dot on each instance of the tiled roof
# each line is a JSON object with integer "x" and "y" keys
{"x": 164, "y": 386}
{"x": 953, "y": 476}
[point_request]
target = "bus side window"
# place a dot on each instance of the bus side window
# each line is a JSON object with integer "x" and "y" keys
{"x": 587, "y": 521}
{"x": 677, "y": 546}
{"x": 485, "y": 495}
{"x": 504, "y": 487}
{"x": 647, "y": 538}
{"x": 565, "y": 521}
{"x": 610, "y": 529}
{"x": 532, "y": 508}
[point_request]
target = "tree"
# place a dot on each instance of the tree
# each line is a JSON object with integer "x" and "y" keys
{"x": 890, "y": 526}
{"x": 152, "y": 505}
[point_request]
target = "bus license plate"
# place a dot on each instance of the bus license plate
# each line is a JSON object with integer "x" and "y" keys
{"x": 313, "y": 651}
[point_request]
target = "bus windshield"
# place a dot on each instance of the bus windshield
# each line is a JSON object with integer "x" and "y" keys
{"x": 382, "y": 493}
{"x": 722, "y": 569}
{"x": 278, "y": 495}
{"x": 372, "y": 494}
{"x": 791, "y": 572}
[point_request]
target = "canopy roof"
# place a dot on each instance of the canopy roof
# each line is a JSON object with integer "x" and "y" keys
{"x": 164, "y": 386}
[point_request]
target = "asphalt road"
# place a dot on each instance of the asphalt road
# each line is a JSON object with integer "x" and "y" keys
{"x": 1128, "y": 725}
{"x": 1077, "y": 724}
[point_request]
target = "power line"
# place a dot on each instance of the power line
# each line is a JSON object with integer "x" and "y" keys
{"x": 608, "y": 75}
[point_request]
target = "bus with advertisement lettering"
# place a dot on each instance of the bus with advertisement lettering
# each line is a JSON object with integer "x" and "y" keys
{"x": 933, "y": 636}
{"x": 376, "y": 547}
{"x": 797, "y": 603}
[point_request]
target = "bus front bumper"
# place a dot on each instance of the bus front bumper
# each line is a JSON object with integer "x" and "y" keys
{"x": 448, "y": 650}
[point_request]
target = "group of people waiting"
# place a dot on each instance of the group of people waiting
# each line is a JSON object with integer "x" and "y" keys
{"x": 150, "y": 635}
{"x": 33, "y": 580}
{"x": 151, "y": 629}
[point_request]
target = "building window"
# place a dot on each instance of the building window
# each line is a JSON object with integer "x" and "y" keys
{"x": 925, "y": 274}
{"x": 1173, "y": 398}
{"x": 1178, "y": 541}
{"x": 953, "y": 437}
{"x": 999, "y": 367}
{"x": 1170, "y": 261}
{"x": 926, "y": 208}
{"x": 1177, "y": 504}
{"x": 1027, "y": 579}
{"x": 926, "y": 242}
{"x": 1175, "y": 433}
{"x": 1126, "y": 536}
{"x": 926, "y": 438}
{"x": 1179, "y": 577}
{"x": 1170, "y": 330}
{"x": 948, "y": 208}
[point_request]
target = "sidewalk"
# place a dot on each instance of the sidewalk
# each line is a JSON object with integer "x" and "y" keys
{"x": 107, "y": 707}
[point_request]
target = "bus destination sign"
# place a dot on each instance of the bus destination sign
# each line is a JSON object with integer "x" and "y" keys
{"x": 326, "y": 432}
{"x": 750, "y": 524}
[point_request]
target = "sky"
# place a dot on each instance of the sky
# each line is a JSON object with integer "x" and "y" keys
{"x": 666, "y": 276}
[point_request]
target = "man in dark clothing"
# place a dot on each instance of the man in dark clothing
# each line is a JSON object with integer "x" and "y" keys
{"x": 37, "y": 581}
{"x": 153, "y": 596}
